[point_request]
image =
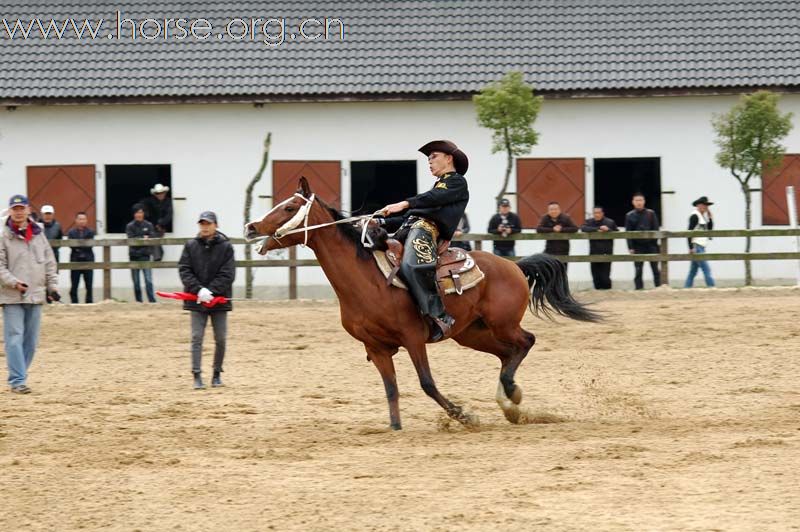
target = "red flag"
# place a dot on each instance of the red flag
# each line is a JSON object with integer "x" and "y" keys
{"x": 185, "y": 296}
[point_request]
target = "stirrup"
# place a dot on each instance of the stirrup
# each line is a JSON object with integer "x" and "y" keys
{"x": 440, "y": 329}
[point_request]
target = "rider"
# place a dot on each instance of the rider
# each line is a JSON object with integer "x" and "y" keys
{"x": 430, "y": 217}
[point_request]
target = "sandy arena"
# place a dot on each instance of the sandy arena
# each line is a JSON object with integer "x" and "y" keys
{"x": 682, "y": 412}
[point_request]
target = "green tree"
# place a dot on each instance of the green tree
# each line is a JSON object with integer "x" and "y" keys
{"x": 509, "y": 108}
{"x": 749, "y": 139}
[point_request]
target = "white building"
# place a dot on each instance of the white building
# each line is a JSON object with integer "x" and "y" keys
{"x": 630, "y": 88}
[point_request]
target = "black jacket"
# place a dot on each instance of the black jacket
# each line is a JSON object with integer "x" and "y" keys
{"x": 463, "y": 226}
{"x": 444, "y": 204}
{"x": 511, "y": 220}
{"x": 599, "y": 247}
{"x": 81, "y": 254}
{"x": 546, "y": 225}
{"x": 141, "y": 229}
{"x": 208, "y": 264}
{"x": 53, "y": 232}
{"x": 644, "y": 220}
{"x": 158, "y": 212}
{"x": 693, "y": 220}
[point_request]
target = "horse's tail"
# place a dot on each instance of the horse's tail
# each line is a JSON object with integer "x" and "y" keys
{"x": 547, "y": 279}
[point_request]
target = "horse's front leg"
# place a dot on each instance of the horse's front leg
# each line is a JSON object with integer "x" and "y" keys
{"x": 419, "y": 356}
{"x": 382, "y": 358}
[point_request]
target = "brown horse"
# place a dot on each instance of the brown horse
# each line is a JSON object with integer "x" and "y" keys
{"x": 385, "y": 318}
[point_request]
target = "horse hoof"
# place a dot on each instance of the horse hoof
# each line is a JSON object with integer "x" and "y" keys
{"x": 471, "y": 421}
{"x": 516, "y": 396}
{"x": 513, "y": 415}
{"x": 467, "y": 419}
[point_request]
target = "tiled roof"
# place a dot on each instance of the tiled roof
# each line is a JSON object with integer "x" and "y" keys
{"x": 413, "y": 48}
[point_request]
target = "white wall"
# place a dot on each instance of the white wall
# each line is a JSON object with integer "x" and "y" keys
{"x": 215, "y": 149}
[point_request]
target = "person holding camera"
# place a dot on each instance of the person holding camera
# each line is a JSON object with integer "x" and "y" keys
{"x": 28, "y": 275}
{"x": 504, "y": 223}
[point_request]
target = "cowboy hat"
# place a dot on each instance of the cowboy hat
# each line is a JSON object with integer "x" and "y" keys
{"x": 703, "y": 200}
{"x": 159, "y": 189}
{"x": 460, "y": 161}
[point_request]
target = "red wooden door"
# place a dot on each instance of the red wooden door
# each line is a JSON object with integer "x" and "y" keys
{"x": 70, "y": 189}
{"x": 774, "y": 210}
{"x": 540, "y": 181}
{"x": 324, "y": 177}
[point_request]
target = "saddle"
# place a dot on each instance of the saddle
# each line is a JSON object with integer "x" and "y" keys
{"x": 456, "y": 270}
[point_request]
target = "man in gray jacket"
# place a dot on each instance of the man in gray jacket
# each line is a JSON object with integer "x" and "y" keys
{"x": 28, "y": 279}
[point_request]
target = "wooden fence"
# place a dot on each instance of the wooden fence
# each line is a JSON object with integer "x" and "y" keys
{"x": 292, "y": 263}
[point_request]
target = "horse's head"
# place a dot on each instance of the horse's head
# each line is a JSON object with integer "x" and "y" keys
{"x": 275, "y": 229}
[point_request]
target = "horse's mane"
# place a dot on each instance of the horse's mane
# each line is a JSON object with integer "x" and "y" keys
{"x": 348, "y": 231}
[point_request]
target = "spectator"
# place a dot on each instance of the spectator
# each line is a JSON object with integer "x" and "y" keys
{"x": 700, "y": 220}
{"x": 158, "y": 211}
{"x": 463, "y": 227}
{"x": 81, "y": 231}
{"x": 504, "y": 223}
{"x": 601, "y": 271}
{"x": 207, "y": 268}
{"x": 52, "y": 229}
{"x": 642, "y": 219}
{"x": 556, "y": 221}
{"x": 28, "y": 278}
{"x": 140, "y": 228}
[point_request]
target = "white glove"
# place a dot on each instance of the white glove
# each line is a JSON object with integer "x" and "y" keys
{"x": 204, "y": 296}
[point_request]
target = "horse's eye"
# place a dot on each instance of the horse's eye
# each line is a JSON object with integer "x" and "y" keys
{"x": 289, "y": 209}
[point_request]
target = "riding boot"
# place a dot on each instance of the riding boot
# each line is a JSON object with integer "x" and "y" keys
{"x": 418, "y": 270}
{"x": 440, "y": 322}
{"x": 198, "y": 382}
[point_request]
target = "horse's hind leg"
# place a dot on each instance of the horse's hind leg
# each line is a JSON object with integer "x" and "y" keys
{"x": 382, "y": 358}
{"x": 419, "y": 356}
{"x": 511, "y": 345}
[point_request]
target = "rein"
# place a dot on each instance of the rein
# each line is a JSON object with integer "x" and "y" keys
{"x": 292, "y": 226}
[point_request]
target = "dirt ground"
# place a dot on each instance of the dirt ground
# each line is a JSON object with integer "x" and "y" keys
{"x": 682, "y": 412}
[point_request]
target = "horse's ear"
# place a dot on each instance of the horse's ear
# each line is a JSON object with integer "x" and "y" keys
{"x": 304, "y": 188}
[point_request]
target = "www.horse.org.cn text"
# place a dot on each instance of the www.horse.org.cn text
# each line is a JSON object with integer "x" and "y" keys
{"x": 270, "y": 31}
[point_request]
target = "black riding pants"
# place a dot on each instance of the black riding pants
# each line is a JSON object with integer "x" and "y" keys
{"x": 418, "y": 270}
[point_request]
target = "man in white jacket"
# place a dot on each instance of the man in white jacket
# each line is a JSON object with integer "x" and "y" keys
{"x": 700, "y": 220}
{"x": 28, "y": 279}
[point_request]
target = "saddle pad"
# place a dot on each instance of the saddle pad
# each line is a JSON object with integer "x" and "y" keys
{"x": 468, "y": 279}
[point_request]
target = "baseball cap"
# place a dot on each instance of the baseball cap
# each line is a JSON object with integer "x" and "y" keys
{"x": 504, "y": 203}
{"x": 48, "y": 209}
{"x": 207, "y": 216}
{"x": 18, "y": 199}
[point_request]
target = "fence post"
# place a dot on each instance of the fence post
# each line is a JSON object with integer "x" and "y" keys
{"x": 292, "y": 273}
{"x": 479, "y": 245}
{"x": 106, "y": 272}
{"x": 665, "y": 265}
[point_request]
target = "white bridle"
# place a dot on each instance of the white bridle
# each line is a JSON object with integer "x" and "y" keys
{"x": 301, "y": 217}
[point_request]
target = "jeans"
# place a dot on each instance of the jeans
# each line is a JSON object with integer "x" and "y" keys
{"x": 88, "y": 276}
{"x": 148, "y": 282}
{"x": 219, "y": 321}
{"x": 637, "y": 280}
{"x": 699, "y": 264}
{"x": 500, "y": 252}
{"x": 21, "y": 324}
